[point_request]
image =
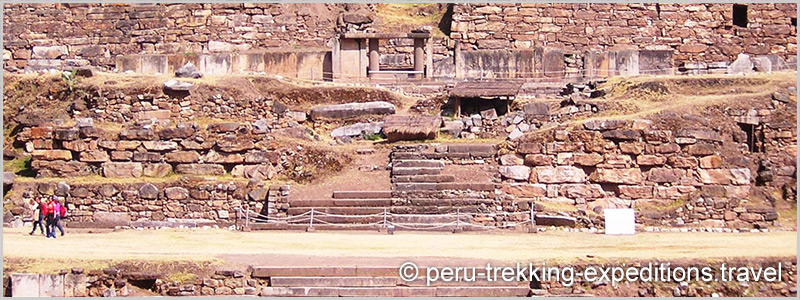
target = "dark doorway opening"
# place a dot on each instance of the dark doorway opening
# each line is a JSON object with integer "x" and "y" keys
{"x": 740, "y": 15}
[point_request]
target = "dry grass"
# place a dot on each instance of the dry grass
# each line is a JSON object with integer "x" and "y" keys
{"x": 208, "y": 245}
{"x": 397, "y": 17}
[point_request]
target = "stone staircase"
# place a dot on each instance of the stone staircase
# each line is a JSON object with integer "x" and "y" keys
{"x": 355, "y": 281}
{"x": 434, "y": 188}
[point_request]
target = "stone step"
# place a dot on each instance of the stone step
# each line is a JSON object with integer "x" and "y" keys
{"x": 474, "y": 150}
{"x": 455, "y": 291}
{"x": 321, "y": 227}
{"x": 341, "y": 220}
{"x": 339, "y": 271}
{"x": 424, "y": 178}
{"x": 417, "y": 163}
{"x": 392, "y": 281}
{"x": 415, "y": 171}
{"x": 293, "y": 211}
{"x": 405, "y": 209}
{"x": 361, "y": 194}
{"x": 449, "y": 202}
{"x": 427, "y": 155}
{"x": 432, "y": 186}
{"x": 340, "y": 202}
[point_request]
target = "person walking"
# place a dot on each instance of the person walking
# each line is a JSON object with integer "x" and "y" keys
{"x": 37, "y": 210}
{"x": 50, "y": 208}
{"x": 61, "y": 211}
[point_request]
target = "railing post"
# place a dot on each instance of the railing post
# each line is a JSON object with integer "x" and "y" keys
{"x": 458, "y": 220}
{"x": 384, "y": 220}
{"x": 533, "y": 217}
{"x": 311, "y": 222}
{"x": 247, "y": 217}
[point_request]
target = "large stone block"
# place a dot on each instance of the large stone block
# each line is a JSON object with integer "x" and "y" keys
{"x": 665, "y": 175}
{"x": 122, "y": 169}
{"x": 351, "y": 110}
{"x": 525, "y": 190}
{"x": 182, "y": 157}
{"x": 560, "y": 174}
{"x": 200, "y": 169}
{"x": 636, "y": 192}
{"x": 52, "y": 154}
{"x": 176, "y": 193}
{"x": 160, "y": 145}
{"x": 515, "y": 172}
{"x": 157, "y": 170}
{"x": 94, "y": 156}
{"x": 25, "y": 285}
{"x": 260, "y": 172}
{"x": 575, "y": 191}
{"x": 724, "y": 176}
{"x": 620, "y": 176}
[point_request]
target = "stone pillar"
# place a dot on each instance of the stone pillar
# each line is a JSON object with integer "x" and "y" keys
{"x": 419, "y": 56}
{"x": 374, "y": 58}
{"x": 458, "y": 60}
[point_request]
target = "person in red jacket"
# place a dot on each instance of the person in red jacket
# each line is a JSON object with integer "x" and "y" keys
{"x": 51, "y": 217}
{"x": 60, "y": 211}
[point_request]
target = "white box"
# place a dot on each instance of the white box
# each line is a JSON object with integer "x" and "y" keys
{"x": 620, "y": 221}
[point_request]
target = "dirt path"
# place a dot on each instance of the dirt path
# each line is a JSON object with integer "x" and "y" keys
{"x": 374, "y": 248}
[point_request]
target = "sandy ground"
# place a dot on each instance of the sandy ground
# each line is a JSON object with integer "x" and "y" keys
{"x": 280, "y": 248}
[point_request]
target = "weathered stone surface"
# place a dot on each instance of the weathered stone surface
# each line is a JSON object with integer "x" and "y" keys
{"x": 560, "y": 174}
{"x": 147, "y": 157}
{"x": 260, "y": 172}
{"x": 160, "y": 145}
{"x": 121, "y": 155}
{"x": 182, "y": 157}
{"x": 351, "y": 110}
{"x": 651, "y": 160}
{"x": 188, "y": 71}
{"x": 631, "y": 147}
{"x": 742, "y": 65}
{"x": 148, "y": 191}
{"x": 524, "y": 190}
{"x": 65, "y": 134}
{"x": 94, "y": 156}
{"x": 636, "y": 192}
{"x": 157, "y": 170}
{"x": 111, "y": 218}
{"x": 235, "y": 145}
{"x": 260, "y": 157}
{"x": 200, "y": 169}
{"x": 122, "y": 169}
{"x": 625, "y": 176}
{"x": 52, "y": 154}
{"x": 511, "y": 159}
{"x": 711, "y": 162}
{"x": 177, "y": 86}
{"x": 626, "y": 135}
{"x": 603, "y": 124}
{"x": 583, "y": 159}
{"x": 137, "y": 134}
{"x": 176, "y": 193}
{"x": 665, "y": 175}
{"x": 222, "y": 158}
{"x": 356, "y": 129}
{"x": 683, "y": 162}
{"x": 585, "y": 191}
{"x": 515, "y": 172}
{"x": 529, "y": 148}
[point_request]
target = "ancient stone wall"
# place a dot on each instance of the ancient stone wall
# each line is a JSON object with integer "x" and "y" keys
{"x": 689, "y": 175}
{"x": 59, "y": 35}
{"x": 190, "y": 202}
{"x": 233, "y": 148}
{"x": 694, "y": 32}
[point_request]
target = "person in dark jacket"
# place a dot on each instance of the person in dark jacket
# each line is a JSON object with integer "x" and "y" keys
{"x": 38, "y": 214}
